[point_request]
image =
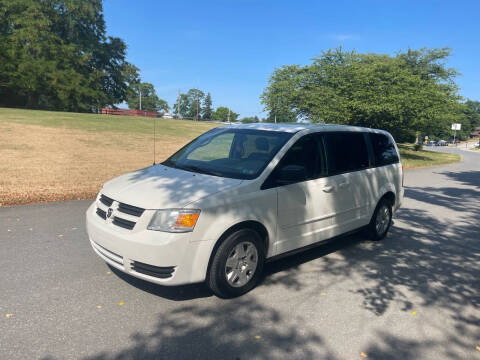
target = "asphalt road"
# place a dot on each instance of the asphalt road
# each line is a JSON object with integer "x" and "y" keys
{"x": 414, "y": 296}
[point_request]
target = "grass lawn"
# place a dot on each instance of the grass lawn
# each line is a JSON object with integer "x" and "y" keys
{"x": 103, "y": 123}
{"x": 50, "y": 156}
{"x": 421, "y": 158}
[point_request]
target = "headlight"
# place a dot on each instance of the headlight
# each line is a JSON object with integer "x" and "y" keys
{"x": 174, "y": 220}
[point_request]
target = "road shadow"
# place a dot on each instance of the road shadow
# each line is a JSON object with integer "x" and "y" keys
{"x": 236, "y": 329}
{"x": 470, "y": 178}
{"x": 286, "y": 271}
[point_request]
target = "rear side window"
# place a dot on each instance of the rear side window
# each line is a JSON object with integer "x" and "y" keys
{"x": 383, "y": 149}
{"x": 346, "y": 151}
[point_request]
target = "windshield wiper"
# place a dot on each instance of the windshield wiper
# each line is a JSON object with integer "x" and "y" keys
{"x": 200, "y": 170}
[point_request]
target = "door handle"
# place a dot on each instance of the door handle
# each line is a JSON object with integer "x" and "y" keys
{"x": 328, "y": 189}
{"x": 344, "y": 184}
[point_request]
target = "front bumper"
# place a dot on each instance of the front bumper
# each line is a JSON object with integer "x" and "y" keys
{"x": 158, "y": 257}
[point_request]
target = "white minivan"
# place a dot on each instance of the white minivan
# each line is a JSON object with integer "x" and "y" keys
{"x": 240, "y": 195}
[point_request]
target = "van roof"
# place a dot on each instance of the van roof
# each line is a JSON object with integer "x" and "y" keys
{"x": 293, "y": 128}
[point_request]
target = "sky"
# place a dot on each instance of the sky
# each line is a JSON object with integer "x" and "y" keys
{"x": 230, "y": 47}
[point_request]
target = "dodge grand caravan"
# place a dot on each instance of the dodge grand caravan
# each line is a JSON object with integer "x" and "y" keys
{"x": 239, "y": 195}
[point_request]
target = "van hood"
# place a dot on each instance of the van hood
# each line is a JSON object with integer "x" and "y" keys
{"x": 163, "y": 187}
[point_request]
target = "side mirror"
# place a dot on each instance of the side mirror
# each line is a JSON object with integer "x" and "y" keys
{"x": 291, "y": 174}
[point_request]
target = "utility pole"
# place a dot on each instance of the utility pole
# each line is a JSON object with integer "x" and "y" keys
{"x": 178, "y": 104}
{"x": 140, "y": 92}
{"x": 229, "y": 116}
{"x": 197, "y": 111}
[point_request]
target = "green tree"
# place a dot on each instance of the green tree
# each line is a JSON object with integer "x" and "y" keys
{"x": 207, "y": 109}
{"x": 250, "y": 119}
{"x": 221, "y": 114}
{"x": 189, "y": 104}
{"x": 195, "y": 99}
{"x": 472, "y": 112}
{"x": 409, "y": 92}
{"x": 55, "y": 54}
{"x": 281, "y": 96}
{"x": 150, "y": 100}
{"x": 184, "y": 107}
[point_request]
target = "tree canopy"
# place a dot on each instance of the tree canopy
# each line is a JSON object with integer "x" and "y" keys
{"x": 207, "y": 109}
{"x": 250, "y": 119}
{"x": 196, "y": 99}
{"x": 411, "y": 92}
{"x": 221, "y": 114}
{"x": 55, "y": 54}
{"x": 150, "y": 100}
{"x": 190, "y": 103}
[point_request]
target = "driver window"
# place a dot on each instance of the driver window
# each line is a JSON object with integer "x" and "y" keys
{"x": 306, "y": 152}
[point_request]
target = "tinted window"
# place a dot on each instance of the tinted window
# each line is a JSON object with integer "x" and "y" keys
{"x": 346, "y": 152}
{"x": 306, "y": 152}
{"x": 383, "y": 149}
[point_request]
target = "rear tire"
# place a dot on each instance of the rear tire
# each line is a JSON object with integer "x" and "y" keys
{"x": 381, "y": 221}
{"x": 237, "y": 264}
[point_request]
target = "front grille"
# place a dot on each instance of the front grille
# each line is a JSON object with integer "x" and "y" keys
{"x": 121, "y": 208}
{"x": 102, "y": 214}
{"x": 155, "y": 271}
{"x": 106, "y": 200}
{"x": 126, "y": 224}
{"x": 131, "y": 210}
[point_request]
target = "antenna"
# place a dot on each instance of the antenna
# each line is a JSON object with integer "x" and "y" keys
{"x": 154, "y": 137}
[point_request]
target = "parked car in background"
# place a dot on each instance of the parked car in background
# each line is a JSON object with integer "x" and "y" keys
{"x": 240, "y": 195}
{"x": 442, "y": 143}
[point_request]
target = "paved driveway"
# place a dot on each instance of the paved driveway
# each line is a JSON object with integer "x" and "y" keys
{"x": 414, "y": 296}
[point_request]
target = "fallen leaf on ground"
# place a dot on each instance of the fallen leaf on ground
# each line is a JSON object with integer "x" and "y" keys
{"x": 121, "y": 303}
{"x": 322, "y": 294}
{"x": 362, "y": 354}
{"x": 414, "y": 313}
{"x": 99, "y": 306}
{"x": 60, "y": 235}
{"x": 8, "y": 315}
{"x": 109, "y": 272}
{"x": 478, "y": 348}
{"x": 258, "y": 337}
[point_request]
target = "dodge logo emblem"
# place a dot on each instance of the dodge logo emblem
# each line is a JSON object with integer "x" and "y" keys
{"x": 109, "y": 212}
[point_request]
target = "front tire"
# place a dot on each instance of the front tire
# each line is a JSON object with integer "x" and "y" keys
{"x": 381, "y": 221}
{"x": 237, "y": 264}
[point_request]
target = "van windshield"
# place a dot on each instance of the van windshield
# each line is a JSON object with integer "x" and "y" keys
{"x": 227, "y": 152}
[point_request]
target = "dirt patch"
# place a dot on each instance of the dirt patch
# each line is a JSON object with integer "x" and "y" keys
{"x": 48, "y": 164}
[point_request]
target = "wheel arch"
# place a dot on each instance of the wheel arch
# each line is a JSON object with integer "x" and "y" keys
{"x": 247, "y": 224}
{"x": 390, "y": 197}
